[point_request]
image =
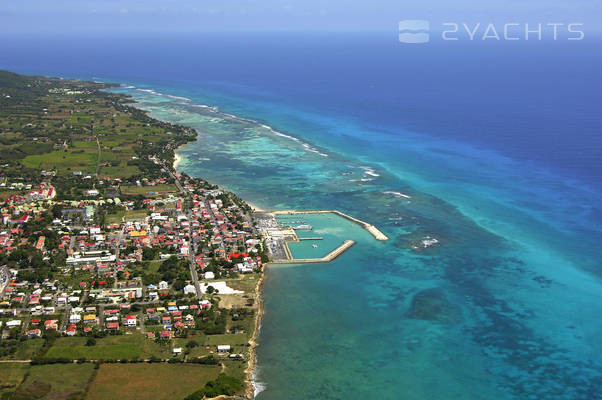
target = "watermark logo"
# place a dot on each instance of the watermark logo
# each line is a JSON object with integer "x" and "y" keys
{"x": 414, "y": 31}
{"x": 418, "y": 31}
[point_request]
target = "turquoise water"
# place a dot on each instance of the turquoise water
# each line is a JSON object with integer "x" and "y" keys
{"x": 497, "y": 145}
{"x": 502, "y": 307}
{"x": 332, "y": 228}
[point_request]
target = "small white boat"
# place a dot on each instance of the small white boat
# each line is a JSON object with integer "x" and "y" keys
{"x": 315, "y": 246}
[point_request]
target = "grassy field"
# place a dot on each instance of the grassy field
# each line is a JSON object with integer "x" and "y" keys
{"x": 63, "y": 161}
{"x": 246, "y": 283}
{"x": 28, "y": 348}
{"x": 11, "y": 376}
{"x": 57, "y": 381}
{"x": 231, "y": 339}
{"x": 122, "y": 171}
{"x": 128, "y": 215}
{"x": 149, "y": 189}
{"x": 112, "y": 347}
{"x": 149, "y": 381}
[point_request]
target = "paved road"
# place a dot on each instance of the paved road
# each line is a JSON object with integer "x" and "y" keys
{"x": 191, "y": 254}
{"x": 191, "y": 244}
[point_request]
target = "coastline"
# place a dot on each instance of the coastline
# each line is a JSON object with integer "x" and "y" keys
{"x": 177, "y": 160}
{"x": 250, "y": 385}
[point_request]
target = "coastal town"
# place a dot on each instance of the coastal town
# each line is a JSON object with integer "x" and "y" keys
{"x": 109, "y": 255}
{"x": 116, "y": 267}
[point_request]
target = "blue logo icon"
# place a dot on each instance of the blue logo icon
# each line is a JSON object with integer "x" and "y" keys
{"x": 414, "y": 31}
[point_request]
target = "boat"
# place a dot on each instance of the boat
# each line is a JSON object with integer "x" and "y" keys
{"x": 303, "y": 228}
{"x": 315, "y": 246}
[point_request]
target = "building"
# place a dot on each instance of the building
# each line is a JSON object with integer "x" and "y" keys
{"x": 130, "y": 320}
{"x": 189, "y": 289}
{"x": 223, "y": 348}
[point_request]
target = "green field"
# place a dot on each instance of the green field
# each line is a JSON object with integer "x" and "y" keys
{"x": 27, "y": 349}
{"x": 128, "y": 215}
{"x": 149, "y": 189}
{"x": 246, "y": 283}
{"x": 109, "y": 348}
{"x": 11, "y": 376}
{"x": 63, "y": 161}
{"x": 149, "y": 381}
{"x": 231, "y": 339}
{"x": 56, "y": 381}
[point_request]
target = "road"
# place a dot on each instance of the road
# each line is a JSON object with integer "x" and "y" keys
{"x": 191, "y": 244}
{"x": 191, "y": 254}
{"x": 4, "y": 279}
{"x": 65, "y": 321}
{"x": 99, "y": 156}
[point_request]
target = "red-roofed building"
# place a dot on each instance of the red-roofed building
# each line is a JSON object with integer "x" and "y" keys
{"x": 113, "y": 326}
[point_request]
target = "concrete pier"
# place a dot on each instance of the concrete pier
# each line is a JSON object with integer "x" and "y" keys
{"x": 378, "y": 235}
{"x": 329, "y": 257}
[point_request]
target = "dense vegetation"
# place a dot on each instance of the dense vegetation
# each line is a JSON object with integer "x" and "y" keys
{"x": 223, "y": 385}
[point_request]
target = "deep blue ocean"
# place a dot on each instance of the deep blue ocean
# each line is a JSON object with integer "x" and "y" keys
{"x": 492, "y": 148}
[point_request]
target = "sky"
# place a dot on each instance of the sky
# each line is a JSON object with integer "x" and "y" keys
{"x": 81, "y": 16}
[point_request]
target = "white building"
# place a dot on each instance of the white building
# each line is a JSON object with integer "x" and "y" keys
{"x": 189, "y": 289}
{"x": 13, "y": 323}
{"x": 223, "y": 348}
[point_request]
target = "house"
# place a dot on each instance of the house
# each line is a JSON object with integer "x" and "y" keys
{"x": 244, "y": 268}
{"x": 34, "y": 333}
{"x": 177, "y": 350}
{"x": 165, "y": 335}
{"x": 189, "y": 289}
{"x": 223, "y": 348}
{"x": 90, "y": 319}
{"x": 13, "y": 323}
{"x": 209, "y": 275}
{"x": 75, "y": 318}
{"x": 163, "y": 285}
{"x": 113, "y": 326}
{"x": 51, "y": 324}
{"x": 130, "y": 320}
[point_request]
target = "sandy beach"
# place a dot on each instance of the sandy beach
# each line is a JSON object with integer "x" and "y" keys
{"x": 177, "y": 160}
{"x": 254, "y": 207}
